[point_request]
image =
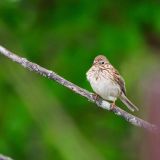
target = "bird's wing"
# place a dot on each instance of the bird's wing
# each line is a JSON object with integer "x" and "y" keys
{"x": 118, "y": 78}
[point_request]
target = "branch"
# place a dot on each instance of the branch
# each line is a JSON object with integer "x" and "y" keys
{"x": 2, "y": 157}
{"x": 100, "y": 103}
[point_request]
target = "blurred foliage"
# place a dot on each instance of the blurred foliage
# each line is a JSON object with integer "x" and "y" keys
{"x": 40, "y": 119}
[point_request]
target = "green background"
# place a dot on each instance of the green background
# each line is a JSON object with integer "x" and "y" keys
{"x": 42, "y": 120}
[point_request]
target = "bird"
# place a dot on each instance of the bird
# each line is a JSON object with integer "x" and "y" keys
{"x": 107, "y": 82}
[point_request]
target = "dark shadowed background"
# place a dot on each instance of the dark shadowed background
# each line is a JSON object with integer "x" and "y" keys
{"x": 39, "y": 119}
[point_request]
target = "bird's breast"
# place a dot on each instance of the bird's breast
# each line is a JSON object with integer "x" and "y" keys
{"x": 103, "y": 84}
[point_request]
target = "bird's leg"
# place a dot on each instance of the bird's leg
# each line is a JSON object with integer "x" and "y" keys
{"x": 113, "y": 105}
{"x": 95, "y": 96}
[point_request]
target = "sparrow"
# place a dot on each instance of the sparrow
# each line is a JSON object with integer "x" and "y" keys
{"x": 107, "y": 83}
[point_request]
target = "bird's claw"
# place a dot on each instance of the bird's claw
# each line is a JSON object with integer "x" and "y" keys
{"x": 95, "y": 96}
{"x": 113, "y": 106}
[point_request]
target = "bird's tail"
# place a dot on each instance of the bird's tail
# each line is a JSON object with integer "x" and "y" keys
{"x": 128, "y": 103}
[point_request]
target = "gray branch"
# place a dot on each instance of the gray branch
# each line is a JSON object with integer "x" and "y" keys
{"x": 2, "y": 157}
{"x": 100, "y": 102}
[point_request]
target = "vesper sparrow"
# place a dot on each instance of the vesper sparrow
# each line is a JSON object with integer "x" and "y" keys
{"x": 106, "y": 82}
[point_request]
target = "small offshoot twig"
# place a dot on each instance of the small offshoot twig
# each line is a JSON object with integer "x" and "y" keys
{"x": 2, "y": 157}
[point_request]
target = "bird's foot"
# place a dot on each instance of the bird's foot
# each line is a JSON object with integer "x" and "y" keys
{"x": 113, "y": 106}
{"x": 95, "y": 96}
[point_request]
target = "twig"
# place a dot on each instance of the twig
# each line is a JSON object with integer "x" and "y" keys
{"x": 2, "y": 157}
{"x": 101, "y": 103}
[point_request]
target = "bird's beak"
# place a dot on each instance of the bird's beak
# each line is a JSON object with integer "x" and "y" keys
{"x": 94, "y": 63}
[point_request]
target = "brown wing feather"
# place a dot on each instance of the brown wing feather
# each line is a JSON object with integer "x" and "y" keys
{"x": 117, "y": 77}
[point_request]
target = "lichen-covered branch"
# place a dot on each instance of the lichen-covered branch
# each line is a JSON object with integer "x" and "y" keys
{"x": 100, "y": 102}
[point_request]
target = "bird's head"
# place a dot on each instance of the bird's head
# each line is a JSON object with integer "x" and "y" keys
{"x": 100, "y": 60}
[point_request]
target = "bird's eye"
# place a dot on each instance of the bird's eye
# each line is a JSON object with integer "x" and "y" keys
{"x": 102, "y": 62}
